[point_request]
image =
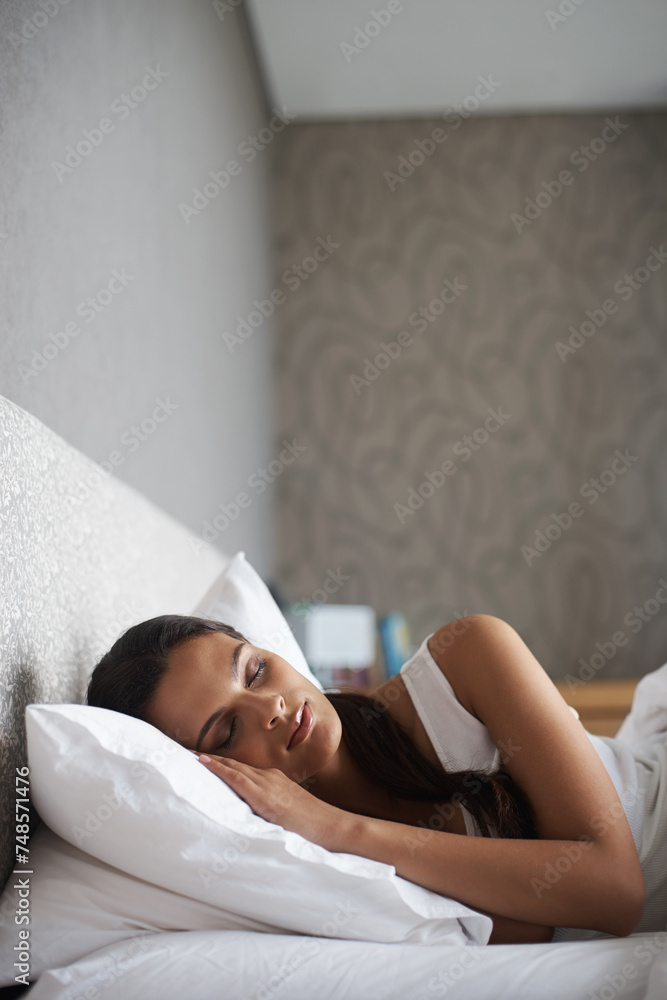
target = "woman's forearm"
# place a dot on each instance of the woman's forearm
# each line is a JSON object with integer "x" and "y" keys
{"x": 508, "y": 931}
{"x": 550, "y": 883}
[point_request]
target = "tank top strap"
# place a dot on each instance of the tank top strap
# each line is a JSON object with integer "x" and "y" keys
{"x": 460, "y": 740}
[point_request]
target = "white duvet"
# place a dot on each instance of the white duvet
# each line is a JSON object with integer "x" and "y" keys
{"x": 249, "y": 965}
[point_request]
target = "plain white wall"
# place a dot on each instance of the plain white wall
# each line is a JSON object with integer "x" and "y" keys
{"x": 63, "y": 68}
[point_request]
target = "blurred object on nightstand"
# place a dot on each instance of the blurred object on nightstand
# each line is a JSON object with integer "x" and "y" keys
{"x": 338, "y": 641}
{"x": 395, "y": 642}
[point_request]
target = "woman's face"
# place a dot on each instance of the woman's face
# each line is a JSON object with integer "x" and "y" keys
{"x": 258, "y": 710}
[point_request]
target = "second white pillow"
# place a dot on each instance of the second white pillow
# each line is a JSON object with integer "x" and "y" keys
{"x": 239, "y": 597}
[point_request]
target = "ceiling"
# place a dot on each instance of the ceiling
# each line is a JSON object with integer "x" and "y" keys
{"x": 327, "y": 60}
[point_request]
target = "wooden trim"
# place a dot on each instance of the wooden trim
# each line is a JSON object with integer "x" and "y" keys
{"x": 602, "y": 705}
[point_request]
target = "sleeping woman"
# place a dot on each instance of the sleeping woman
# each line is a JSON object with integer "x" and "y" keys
{"x": 466, "y": 771}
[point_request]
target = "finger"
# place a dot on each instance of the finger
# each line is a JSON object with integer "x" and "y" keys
{"x": 218, "y": 764}
{"x": 233, "y": 763}
{"x": 221, "y": 762}
{"x": 206, "y": 757}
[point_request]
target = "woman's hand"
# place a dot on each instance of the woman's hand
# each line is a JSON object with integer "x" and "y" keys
{"x": 278, "y": 799}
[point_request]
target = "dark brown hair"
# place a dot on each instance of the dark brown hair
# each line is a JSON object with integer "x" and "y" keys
{"x": 386, "y": 753}
{"x": 126, "y": 677}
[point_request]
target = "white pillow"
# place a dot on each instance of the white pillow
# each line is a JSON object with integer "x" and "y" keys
{"x": 239, "y": 597}
{"x": 79, "y": 904}
{"x": 125, "y": 793}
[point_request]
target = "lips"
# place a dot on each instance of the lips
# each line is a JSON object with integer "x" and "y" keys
{"x": 302, "y": 725}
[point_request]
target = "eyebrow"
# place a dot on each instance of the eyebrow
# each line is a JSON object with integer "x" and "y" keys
{"x": 216, "y": 715}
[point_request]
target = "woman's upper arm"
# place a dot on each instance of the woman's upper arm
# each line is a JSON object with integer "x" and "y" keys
{"x": 545, "y": 749}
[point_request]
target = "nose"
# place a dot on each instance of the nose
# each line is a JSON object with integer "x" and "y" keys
{"x": 271, "y": 710}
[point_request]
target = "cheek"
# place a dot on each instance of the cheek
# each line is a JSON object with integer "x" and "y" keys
{"x": 327, "y": 732}
{"x": 255, "y": 752}
{"x": 324, "y": 711}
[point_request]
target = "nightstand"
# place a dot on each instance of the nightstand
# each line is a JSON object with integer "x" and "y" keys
{"x": 602, "y": 705}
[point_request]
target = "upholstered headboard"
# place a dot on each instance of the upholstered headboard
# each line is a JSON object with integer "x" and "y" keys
{"x": 82, "y": 557}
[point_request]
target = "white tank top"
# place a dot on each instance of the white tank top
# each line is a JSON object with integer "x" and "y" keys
{"x": 461, "y": 741}
{"x": 639, "y": 772}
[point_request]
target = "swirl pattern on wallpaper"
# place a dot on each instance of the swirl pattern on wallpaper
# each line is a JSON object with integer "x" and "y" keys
{"x": 540, "y": 469}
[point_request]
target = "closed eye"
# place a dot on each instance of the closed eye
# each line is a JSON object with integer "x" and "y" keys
{"x": 230, "y": 739}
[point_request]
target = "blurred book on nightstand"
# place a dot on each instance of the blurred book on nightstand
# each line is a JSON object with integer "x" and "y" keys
{"x": 339, "y": 642}
{"x": 395, "y": 641}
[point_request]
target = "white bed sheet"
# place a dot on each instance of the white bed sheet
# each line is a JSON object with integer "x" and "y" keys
{"x": 249, "y": 965}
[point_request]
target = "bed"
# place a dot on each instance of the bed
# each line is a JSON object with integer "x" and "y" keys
{"x": 83, "y": 556}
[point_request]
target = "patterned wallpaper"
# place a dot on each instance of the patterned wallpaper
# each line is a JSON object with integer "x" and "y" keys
{"x": 471, "y": 359}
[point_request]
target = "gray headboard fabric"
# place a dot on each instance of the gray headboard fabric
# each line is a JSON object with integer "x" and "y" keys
{"x": 82, "y": 557}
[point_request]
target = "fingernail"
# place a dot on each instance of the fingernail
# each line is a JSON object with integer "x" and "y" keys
{"x": 204, "y": 758}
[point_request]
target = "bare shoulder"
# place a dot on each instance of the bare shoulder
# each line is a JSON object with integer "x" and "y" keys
{"x": 547, "y": 751}
{"x": 456, "y": 648}
{"x": 452, "y": 657}
{"x": 480, "y": 652}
